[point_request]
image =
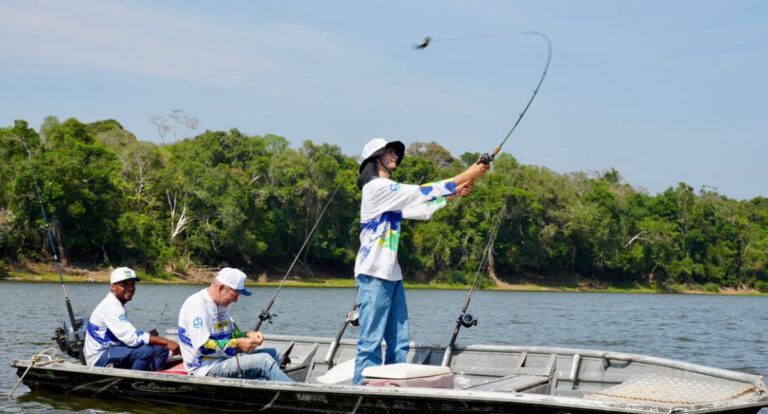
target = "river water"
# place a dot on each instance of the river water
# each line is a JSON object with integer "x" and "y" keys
{"x": 728, "y": 332}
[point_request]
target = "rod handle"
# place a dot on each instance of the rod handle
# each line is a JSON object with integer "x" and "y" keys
{"x": 331, "y": 351}
{"x": 449, "y": 348}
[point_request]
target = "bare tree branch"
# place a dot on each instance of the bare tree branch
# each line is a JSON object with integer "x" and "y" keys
{"x": 180, "y": 225}
{"x": 637, "y": 237}
{"x": 180, "y": 119}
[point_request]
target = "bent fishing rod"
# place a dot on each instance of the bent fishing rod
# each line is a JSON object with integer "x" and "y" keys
{"x": 78, "y": 341}
{"x": 465, "y": 319}
{"x": 265, "y": 314}
{"x": 487, "y": 158}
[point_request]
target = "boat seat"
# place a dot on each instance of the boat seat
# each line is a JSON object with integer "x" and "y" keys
{"x": 511, "y": 383}
{"x": 340, "y": 373}
{"x": 408, "y": 375}
{"x": 405, "y": 371}
{"x": 176, "y": 369}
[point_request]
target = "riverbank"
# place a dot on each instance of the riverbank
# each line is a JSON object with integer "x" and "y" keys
{"x": 526, "y": 283}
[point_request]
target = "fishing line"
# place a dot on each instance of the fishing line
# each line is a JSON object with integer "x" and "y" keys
{"x": 427, "y": 40}
{"x": 78, "y": 341}
{"x": 494, "y": 232}
{"x": 265, "y": 314}
{"x": 161, "y": 316}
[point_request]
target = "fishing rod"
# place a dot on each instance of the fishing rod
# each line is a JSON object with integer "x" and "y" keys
{"x": 265, "y": 314}
{"x": 352, "y": 318}
{"x": 487, "y": 158}
{"x": 78, "y": 341}
{"x": 465, "y": 319}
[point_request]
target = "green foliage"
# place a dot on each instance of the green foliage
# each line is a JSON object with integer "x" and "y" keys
{"x": 224, "y": 197}
{"x": 75, "y": 174}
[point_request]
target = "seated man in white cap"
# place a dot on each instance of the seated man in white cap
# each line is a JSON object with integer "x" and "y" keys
{"x": 210, "y": 341}
{"x": 112, "y": 340}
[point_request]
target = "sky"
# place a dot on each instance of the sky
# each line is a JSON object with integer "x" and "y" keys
{"x": 662, "y": 91}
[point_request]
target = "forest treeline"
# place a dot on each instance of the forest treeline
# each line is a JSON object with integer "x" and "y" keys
{"x": 224, "y": 197}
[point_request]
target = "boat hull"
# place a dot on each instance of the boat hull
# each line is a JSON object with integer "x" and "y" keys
{"x": 490, "y": 379}
{"x": 237, "y": 395}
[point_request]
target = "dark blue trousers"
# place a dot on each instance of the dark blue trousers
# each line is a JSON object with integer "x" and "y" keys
{"x": 140, "y": 358}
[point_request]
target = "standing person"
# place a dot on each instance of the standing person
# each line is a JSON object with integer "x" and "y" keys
{"x": 210, "y": 340}
{"x": 379, "y": 281}
{"x": 111, "y": 339}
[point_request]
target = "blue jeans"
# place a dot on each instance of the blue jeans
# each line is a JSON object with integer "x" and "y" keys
{"x": 261, "y": 364}
{"x": 383, "y": 316}
{"x": 140, "y": 358}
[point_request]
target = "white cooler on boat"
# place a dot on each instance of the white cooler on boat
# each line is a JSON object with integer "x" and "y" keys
{"x": 408, "y": 375}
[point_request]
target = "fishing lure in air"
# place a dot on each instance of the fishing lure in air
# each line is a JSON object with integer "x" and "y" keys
{"x": 487, "y": 158}
{"x": 424, "y": 43}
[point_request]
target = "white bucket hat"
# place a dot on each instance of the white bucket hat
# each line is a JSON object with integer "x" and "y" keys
{"x": 233, "y": 278}
{"x": 122, "y": 273}
{"x": 377, "y": 146}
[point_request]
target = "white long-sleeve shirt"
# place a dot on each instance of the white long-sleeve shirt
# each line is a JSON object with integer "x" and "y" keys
{"x": 108, "y": 327}
{"x": 384, "y": 204}
{"x": 206, "y": 333}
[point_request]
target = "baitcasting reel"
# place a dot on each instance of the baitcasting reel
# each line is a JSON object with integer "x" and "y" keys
{"x": 467, "y": 320}
{"x": 486, "y": 158}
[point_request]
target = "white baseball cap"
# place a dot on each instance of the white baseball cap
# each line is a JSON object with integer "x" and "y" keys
{"x": 234, "y": 279}
{"x": 122, "y": 273}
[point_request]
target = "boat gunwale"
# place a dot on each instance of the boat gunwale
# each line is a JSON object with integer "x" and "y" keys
{"x": 757, "y": 380}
